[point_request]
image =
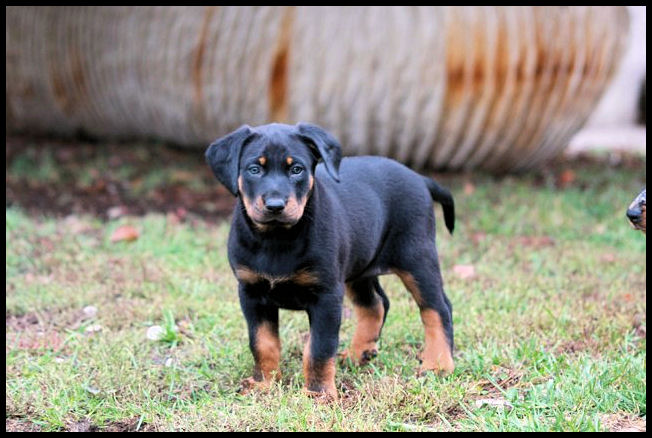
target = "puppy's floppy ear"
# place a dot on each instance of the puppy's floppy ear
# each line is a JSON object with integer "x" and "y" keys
{"x": 328, "y": 147}
{"x": 223, "y": 155}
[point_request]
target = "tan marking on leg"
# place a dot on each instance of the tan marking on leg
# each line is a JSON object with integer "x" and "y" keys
{"x": 319, "y": 376}
{"x": 267, "y": 357}
{"x": 367, "y": 330}
{"x": 437, "y": 353}
{"x": 411, "y": 285}
{"x": 268, "y": 350}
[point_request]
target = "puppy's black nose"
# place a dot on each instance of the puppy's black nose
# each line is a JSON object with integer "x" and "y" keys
{"x": 274, "y": 205}
{"x": 634, "y": 215}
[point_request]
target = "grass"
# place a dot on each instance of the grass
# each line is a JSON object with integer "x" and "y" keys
{"x": 552, "y": 325}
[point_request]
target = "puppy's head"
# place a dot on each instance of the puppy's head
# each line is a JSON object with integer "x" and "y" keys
{"x": 272, "y": 167}
{"x": 636, "y": 212}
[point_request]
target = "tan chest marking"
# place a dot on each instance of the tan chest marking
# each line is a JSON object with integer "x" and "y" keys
{"x": 302, "y": 277}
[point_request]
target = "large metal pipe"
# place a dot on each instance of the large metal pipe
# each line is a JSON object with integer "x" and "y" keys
{"x": 501, "y": 88}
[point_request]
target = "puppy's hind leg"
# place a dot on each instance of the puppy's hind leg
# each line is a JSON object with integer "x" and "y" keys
{"x": 423, "y": 280}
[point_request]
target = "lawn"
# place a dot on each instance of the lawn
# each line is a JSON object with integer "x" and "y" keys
{"x": 547, "y": 281}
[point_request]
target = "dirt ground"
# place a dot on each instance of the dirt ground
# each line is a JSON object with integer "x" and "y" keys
{"x": 111, "y": 179}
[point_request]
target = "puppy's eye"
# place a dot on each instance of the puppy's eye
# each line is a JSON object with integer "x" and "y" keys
{"x": 296, "y": 170}
{"x": 254, "y": 169}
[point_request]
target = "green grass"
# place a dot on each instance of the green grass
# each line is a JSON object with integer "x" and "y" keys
{"x": 553, "y": 322}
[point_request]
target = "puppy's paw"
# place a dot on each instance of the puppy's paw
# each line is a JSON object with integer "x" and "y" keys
{"x": 249, "y": 385}
{"x": 443, "y": 367}
{"x": 327, "y": 396}
{"x": 360, "y": 358}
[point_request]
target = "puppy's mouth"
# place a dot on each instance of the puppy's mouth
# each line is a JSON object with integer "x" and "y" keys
{"x": 266, "y": 220}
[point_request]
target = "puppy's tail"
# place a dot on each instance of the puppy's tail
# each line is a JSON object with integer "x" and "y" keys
{"x": 443, "y": 196}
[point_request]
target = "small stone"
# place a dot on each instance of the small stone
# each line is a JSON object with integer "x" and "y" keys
{"x": 90, "y": 311}
{"x": 155, "y": 333}
{"x": 93, "y": 328}
{"x": 494, "y": 402}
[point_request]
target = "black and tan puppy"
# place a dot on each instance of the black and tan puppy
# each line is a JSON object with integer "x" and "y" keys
{"x": 636, "y": 212}
{"x": 303, "y": 235}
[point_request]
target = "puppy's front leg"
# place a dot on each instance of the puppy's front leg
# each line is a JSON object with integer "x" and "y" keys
{"x": 325, "y": 317}
{"x": 264, "y": 342}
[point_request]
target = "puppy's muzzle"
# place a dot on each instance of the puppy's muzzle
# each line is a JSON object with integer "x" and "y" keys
{"x": 635, "y": 215}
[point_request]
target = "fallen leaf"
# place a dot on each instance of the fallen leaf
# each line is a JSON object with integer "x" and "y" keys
{"x": 478, "y": 237}
{"x": 469, "y": 188}
{"x": 608, "y": 257}
{"x": 464, "y": 271}
{"x": 126, "y": 233}
{"x": 565, "y": 178}
{"x": 535, "y": 241}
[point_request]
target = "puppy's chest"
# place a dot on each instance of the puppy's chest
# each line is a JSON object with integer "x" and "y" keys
{"x": 255, "y": 275}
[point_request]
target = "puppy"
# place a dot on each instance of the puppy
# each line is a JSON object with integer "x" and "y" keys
{"x": 636, "y": 212}
{"x": 310, "y": 227}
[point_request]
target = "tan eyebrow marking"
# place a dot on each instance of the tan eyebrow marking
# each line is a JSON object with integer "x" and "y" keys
{"x": 262, "y": 160}
{"x": 289, "y": 160}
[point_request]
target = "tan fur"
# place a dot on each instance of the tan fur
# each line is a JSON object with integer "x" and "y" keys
{"x": 252, "y": 209}
{"x": 262, "y": 160}
{"x": 293, "y": 209}
{"x": 268, "y": 357}
{"x": 322, "y": 375}
{"x": 289, "y": 161}
{"x": 302, "y": 277}
{"x": 367, "y": 331}
{"x": 268, "y": 351}
{"x": 437, "y": 353}
{"x": 411, "y": 285}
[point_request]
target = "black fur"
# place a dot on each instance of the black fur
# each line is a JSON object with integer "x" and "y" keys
{"x": 363, "y": 217}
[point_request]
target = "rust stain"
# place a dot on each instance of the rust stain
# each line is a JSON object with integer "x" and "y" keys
{"x": 73, "y": 73}
{"x": 199, "y": 55}
{"x": 278, "y": 81}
